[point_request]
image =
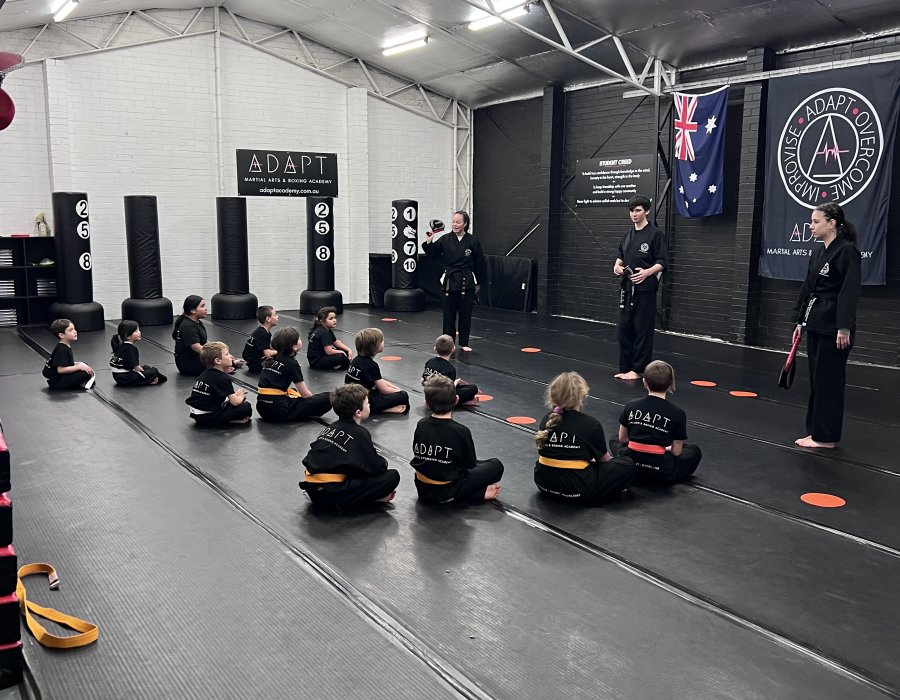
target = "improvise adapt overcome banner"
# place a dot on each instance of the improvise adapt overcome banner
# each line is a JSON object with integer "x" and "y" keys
{"x": 830, "y": 138}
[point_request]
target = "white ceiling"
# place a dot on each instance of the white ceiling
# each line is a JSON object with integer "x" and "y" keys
{"x": 503, "y": 62}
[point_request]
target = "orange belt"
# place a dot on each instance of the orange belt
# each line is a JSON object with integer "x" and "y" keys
{"x": 291, "y": 392}
{"x": 325, "y": 478}
{"x": 425, "y": 480}
{"x": 88, "y": 631}
{"x": 563, "y": 463}
{"x": 646, "y": 449}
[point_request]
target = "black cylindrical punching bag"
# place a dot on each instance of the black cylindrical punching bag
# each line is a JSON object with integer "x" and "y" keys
{"x": 320, "y": 257}
{"x": 405, "y": 294}
{"x": 74, "y": 279}
{"x": 146, "y": 305}
{"x": 234, "y": 300}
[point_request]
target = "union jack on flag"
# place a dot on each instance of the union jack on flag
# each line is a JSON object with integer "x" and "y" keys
{"x": 699, "y": 152}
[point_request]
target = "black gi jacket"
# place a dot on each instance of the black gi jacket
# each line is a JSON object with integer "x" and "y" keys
{"x": 464, "y": 265}
{"x": 643, "y": 249}
{"x": 833, "y": 278}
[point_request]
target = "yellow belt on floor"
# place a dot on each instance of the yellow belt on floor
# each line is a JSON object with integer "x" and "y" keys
{"x": 425, "y": 480}
{"x": 325, "y": 478}
{"x": 563, "y": 463}
{"x": 291, "y": 392}
{"x": 88, "y": 631}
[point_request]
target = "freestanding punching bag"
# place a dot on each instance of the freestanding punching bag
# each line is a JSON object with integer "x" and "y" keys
{"x": 146, "y": 305}
{"x": 74, "y": 279}
{"x": 404, "y": 294}
{"x": 320, "y": 257}
{"x": 234, "y": 300}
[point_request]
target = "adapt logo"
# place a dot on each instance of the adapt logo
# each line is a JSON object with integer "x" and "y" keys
{"x": 830, "y": 147}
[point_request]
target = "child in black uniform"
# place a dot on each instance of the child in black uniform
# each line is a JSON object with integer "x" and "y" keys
{"x": 343, "y": 470}
{"x": 325, "y": 351}
{"x": 384, "y": 397}
{"x": 573, "y": 463}
{"x": 278, "y": 401}
{"x": 127, "y": 369}
{"x": 447, "y": 469}
{"x": 444, "y": 347}
{"x": 214, "y": 401}
{"x": 652, "y": 431}
{"x": 61, "y": 371}
{"x": 189, "y": 335}
{"x": 259, "y": 345}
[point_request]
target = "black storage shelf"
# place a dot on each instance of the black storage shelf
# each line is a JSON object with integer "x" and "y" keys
{"x": 25, "y": 306}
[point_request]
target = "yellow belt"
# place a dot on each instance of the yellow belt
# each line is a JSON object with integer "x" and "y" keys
{"x": 291, "y": 392}
{"x": 425, "y": 480}
{"x": 88, "y": 631}
{"x": 325, "y": 478}
{"x": 563, "y": 463}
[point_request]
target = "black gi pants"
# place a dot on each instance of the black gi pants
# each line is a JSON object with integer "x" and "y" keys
{"x": 827, "y": 376}
{"x": 379, "y": 403}
{"x": 636, "y": 323}
{"x": 69, "y": 381}
{"x": 661, "y": 469}
{"x": 283, "y": 409}
{"x": 135, "y": 379}
{"x": 457, "y": 303}
{"x": 352, "y": 493}
{"x": 189, "y": 365}
{"x": 223, "y": 415}
{"x": 604, "y": 481}
{"x": 469, "y": 487}
{"x": 340, "y": 361}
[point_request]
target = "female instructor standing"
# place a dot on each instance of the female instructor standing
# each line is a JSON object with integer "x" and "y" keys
{"x": 827, "y": 310}
{"x": 463, "y": 268}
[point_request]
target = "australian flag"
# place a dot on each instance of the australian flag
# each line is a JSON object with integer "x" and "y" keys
{"x": 699, "y": 152}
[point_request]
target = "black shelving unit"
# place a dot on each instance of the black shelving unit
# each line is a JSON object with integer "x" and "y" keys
{"x": 27, "y": 289}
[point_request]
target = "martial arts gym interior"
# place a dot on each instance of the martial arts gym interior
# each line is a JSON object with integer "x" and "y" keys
{"x": 659, "y": 237}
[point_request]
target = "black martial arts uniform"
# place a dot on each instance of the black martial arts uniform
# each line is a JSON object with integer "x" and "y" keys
{"x": 569, "y": 467}
{"x": 652, "y": 424}
{"x": 279, "y": 401}
{"x": 209, "y": 402}
{"x": 260, "y": 339}
{"x": 364, "y": 370}
{"x": 637, "y": 317}
{"x": 123, "y": 363}
{"x": 447, "y": 469}
{"x": 321, "y": 338}
{"x": 464, "y": 267}
{"x": 62, "y": 356}
{"x": 438, "y": 365}
{"x": 186, "y": 360}
{"x": 344, "y": 471}
{"x": 832, "y": 285}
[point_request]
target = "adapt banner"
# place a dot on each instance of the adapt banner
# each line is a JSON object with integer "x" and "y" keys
{"x": 262, "y": 173}
{"x": 830, "y": 138}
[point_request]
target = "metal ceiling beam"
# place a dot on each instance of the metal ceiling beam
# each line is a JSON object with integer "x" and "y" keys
{"x": 568, "y": 50}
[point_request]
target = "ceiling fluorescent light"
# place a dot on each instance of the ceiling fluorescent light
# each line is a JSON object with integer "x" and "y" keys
{"x": 400, "y": 48}
{"x": 491, "y": 20}
{"x": 407, "y": 38}
{"x": 64, "y": 11}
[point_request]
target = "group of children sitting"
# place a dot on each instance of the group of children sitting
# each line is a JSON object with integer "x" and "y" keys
{"x": 343, "y": 469}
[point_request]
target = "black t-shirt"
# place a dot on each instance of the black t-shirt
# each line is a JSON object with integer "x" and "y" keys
{"x": 344, "y": 448}
{"x": 438, "y": 365}
{"x": 62, "y": 356}
{"x": 654, "y": 421}
{"x": 363, "y": 370}
{"x": 442, "y": 448}
{"x": 281, "y": 372}
{"x": 259, "y": 340}
{"x": 321, "y": 338}
{"x": 210, "y": 391}
{"x": 188, "y": 333}
{"x": 577, "y": 436}
{"x": 643, "y": 249}
{"x": 125, "y": 358}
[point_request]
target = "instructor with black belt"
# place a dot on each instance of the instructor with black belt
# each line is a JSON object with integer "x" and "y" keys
{"x": 463, "y": 268}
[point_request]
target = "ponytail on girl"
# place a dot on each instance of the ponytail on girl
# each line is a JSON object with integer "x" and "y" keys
{"x": 123, "y": 330}
{"x": 190, "y": 303}
{"x": 566, "y": 392}
{"x": 834, "y": 212}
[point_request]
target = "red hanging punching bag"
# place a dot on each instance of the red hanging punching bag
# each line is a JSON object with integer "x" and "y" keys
{"x": 8, "y": 62}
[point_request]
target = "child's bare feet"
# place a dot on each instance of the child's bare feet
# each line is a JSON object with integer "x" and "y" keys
{"x": 491, "y": 492}
{"x": 388, "y": 498}
{"x": 241, "y": 421}
{"x": 155, "y": 380}
{"x": 627, "y": 375}
{"x": 809, "y": 442}
{"x": 397, "y": 409}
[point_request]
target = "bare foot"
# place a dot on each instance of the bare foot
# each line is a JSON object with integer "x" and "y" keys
{"x": 241, "y": 421}
{"x": 397, "y": 409}
{"x": 628, "y": 376}
{"x": 466, "y": 348}
{"x": 809, "y": 442}
{"x": 388, "y": 498}
{"x": 155, "y": 381}
{"x": 491, "y": 492}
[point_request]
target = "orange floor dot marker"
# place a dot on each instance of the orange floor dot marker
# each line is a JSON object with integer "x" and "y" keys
{"x": 391, "y": 358}
{"x": 484, "y": 397}
{"x": 521, "y": 420}
{"x": 701, "y": 382}
{"x": 744, "y": 394}
{"x": 531, "y": 349}
{"x": 388, "y": 319}
{"x": 823, "y": 500}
